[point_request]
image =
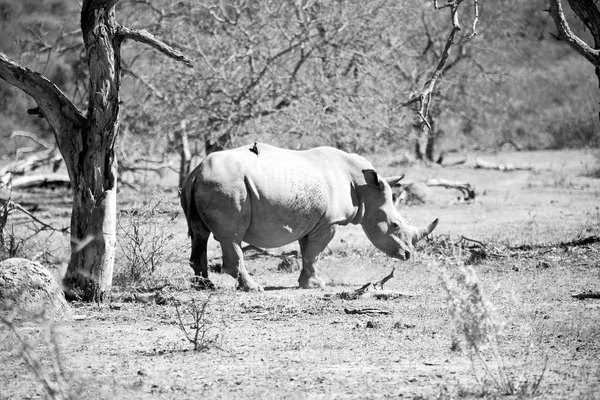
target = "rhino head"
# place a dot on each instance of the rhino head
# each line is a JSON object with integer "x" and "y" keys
{"x": 382, "y": 223}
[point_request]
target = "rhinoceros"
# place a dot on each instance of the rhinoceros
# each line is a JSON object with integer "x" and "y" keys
{"x": 269, "y": 197}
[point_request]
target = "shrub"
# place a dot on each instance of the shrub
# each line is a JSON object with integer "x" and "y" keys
{"x": 145, "y": 241}
{"x": 474, "y": 321}
{"x": 197, "y": 325}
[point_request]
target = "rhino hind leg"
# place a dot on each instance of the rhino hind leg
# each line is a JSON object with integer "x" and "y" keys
{"x": 311, "y": 248}
{"x": 199, "y": 261}
{"x": 233, "y": 264}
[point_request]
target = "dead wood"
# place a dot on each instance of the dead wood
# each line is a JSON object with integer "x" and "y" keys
{"x": 31, "y": 163}
{"x": 366, "y": 311}
{"x": 387, "y": 294}
{"x": 479, "y": 250}
{"x": 586, "y": 295}
{"x": 28, "y": 149}
{"x": 40, "y": 181}
{"x": 482, "y": 164}
{"x": 572, "y": 243}
{"x": 424, "y": 98}
{"x": 378, "y": 292}
{"x": 384, "y": 280}
{"x": 467, "y": 191}
{"x": 410, "y": 193}
{"x": 7, "y": 206}
{"x": 454, "y": 163}
{"x": 361, "y": 290}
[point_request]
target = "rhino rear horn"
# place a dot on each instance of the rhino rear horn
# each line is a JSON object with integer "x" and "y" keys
{"x": 393, "y": 180}
{"x": 420, "y": 233}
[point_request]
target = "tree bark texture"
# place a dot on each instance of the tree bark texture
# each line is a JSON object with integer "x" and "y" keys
{"x": 93, "y": 176}
{"x": 87, "y": 143}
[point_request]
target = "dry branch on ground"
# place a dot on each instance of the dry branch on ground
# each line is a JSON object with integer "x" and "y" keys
{"x": 587, "y": 295}
{"x": 40, "y": 181}
{"x": 465, "y": 188}
{"x": 479, "y": 163}
{"x": 31, "y": 163}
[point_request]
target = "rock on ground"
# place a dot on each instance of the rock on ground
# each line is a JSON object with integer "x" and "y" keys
{"x": 29, "y": 289}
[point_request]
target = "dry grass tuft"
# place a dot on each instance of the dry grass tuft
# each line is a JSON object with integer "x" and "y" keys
{"x": 476, "y": 323}
{"x": 198, "y": 326}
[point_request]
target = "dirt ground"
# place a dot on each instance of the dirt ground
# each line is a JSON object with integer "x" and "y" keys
{"x": 315, "y": 344}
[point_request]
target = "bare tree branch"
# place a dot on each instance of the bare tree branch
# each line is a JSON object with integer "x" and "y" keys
{"x": 565, "y": 33}
{"x": 50, "y": 99}
{"x": 10, "y": 206}
{"x": 145, "y": 37}
{"x": 31, "y": 137}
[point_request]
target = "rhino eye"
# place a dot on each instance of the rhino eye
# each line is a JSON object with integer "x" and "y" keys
{"x": 395, "y": 226}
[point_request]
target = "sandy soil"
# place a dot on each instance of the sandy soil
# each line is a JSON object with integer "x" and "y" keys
{"x": 292, "y": 343}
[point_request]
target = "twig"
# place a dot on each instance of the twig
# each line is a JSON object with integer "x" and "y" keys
{"x": 366, "y": 311}
{"x": 384, "y": 280}
{"x": 11, "y": 205}
{"x": 586, "y": 295}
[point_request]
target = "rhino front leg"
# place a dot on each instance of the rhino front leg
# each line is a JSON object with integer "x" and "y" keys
{"x": 233, "y": 264}
{"x": 311, "y": 247}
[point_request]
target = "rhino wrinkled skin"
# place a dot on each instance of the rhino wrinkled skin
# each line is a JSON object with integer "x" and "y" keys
{"x": 269, "y": 197}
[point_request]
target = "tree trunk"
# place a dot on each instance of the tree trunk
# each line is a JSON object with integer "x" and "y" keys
{"x": 94, "y": 174}
{"x": 431, "y": 139}
{"x": 425, "y": 142}
{"x": 87, "y": 143}
{"x": 186, "y": 154}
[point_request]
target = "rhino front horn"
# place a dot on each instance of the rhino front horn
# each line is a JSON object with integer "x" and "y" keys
{"x": 420, "y": 233}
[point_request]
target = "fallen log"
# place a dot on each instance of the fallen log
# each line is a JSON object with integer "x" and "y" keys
{"x": 482, "y": 164}
{"x": 467, "y": 191}
{"x": 410, "y": 193}
{"x": 367, "y": 311}
{"x": 37, "y": 181}
{"x": 454, "y": 163}
{"x": 31, "y": 163}
{"x": 572, "y": 243}
{"x": 587, "y": 295}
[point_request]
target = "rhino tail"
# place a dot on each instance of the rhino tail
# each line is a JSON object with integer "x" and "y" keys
{"x": 188, "y": 203}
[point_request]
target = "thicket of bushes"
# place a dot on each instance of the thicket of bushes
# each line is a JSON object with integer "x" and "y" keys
{"x": 332, "y": 73}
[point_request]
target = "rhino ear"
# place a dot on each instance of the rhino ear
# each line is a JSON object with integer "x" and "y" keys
{"x": 374, "y": 180}
{"x": 393, "y": 180}
{"x": 371, "y": 177}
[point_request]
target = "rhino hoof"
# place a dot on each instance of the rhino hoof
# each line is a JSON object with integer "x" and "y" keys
{"x": 313, "y": 283}
{"x": 200, "y": 283}
{"x": 255, "y": 289}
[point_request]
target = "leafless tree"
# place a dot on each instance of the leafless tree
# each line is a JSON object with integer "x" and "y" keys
{"x": 427, "y": 132}
{"x": 589, "y": 13}
{"x": 294, "y": 72}
{"x": 87, "y": 140}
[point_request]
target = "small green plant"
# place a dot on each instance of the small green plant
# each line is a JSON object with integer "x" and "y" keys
{"x": 198, "y": 327}
{"x": 475, "y": 321}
